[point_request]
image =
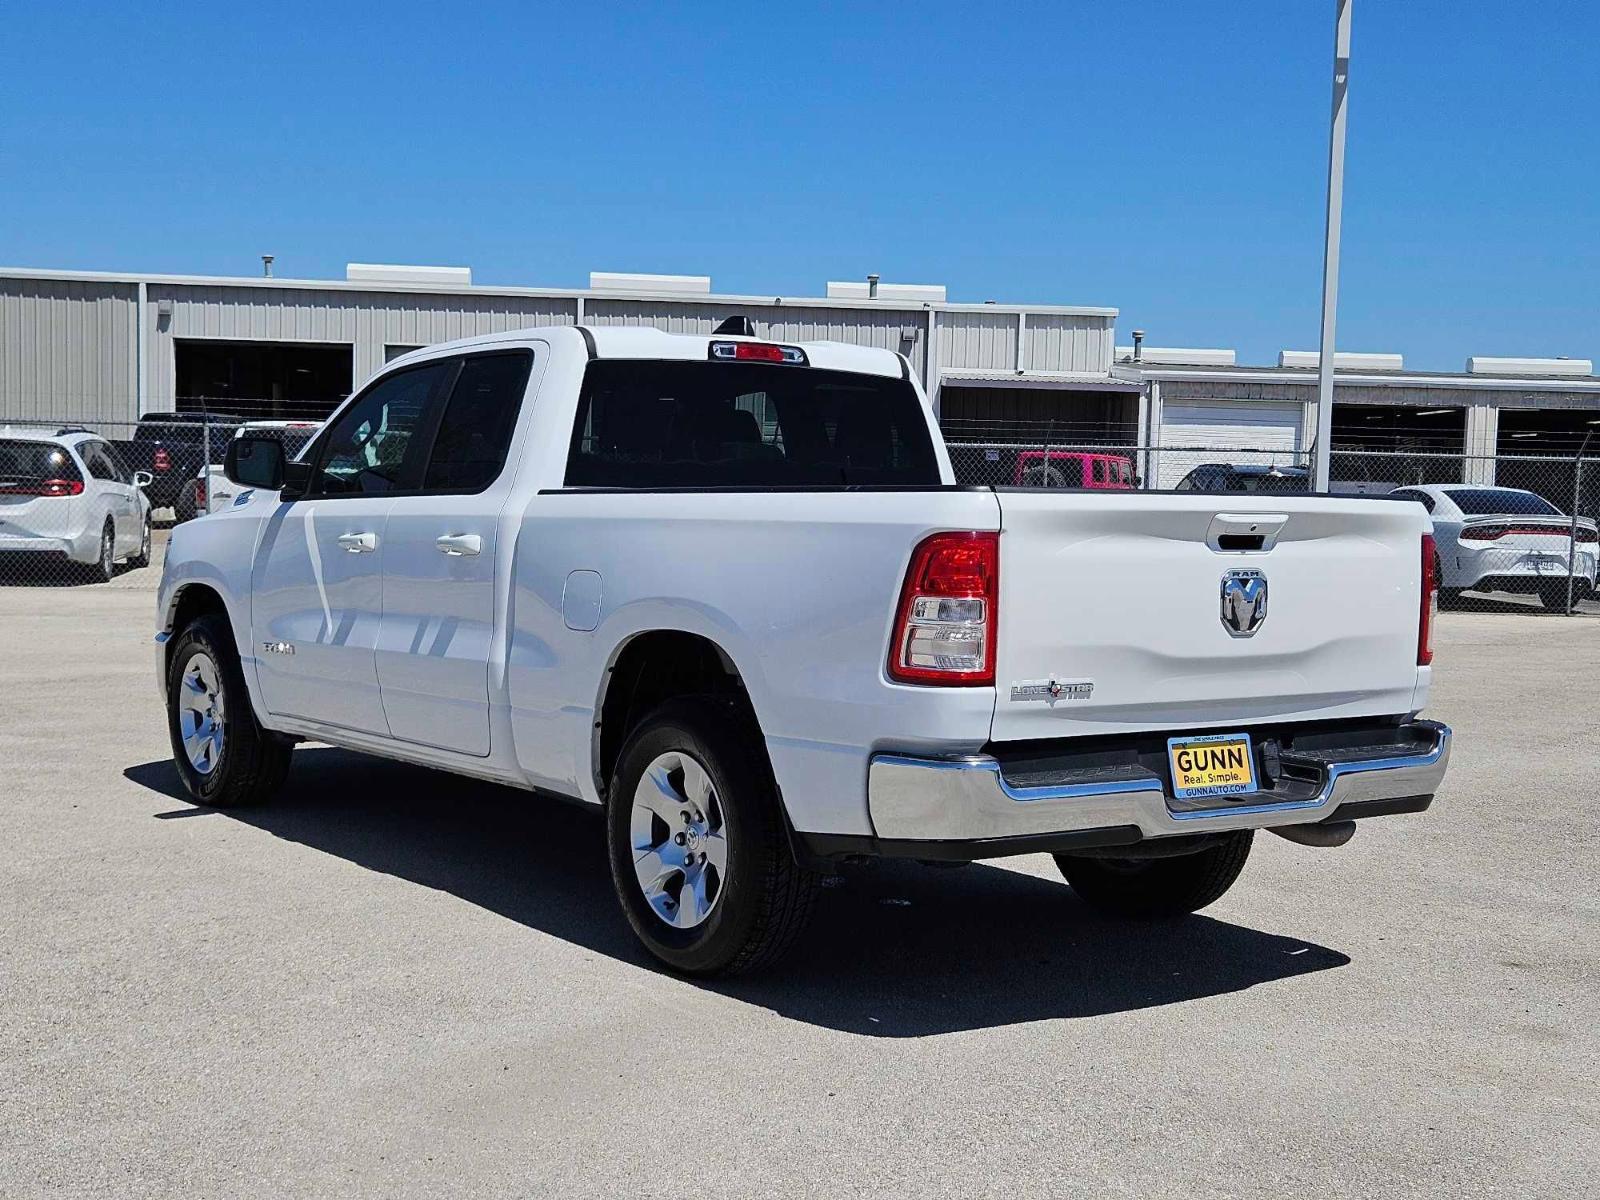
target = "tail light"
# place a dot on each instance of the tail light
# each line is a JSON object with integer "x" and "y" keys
{"x": 1491, "y": 533}
{"x": 1430, "y": 601}
{"x": 199, "y": 493}
{"x": 945, "y": 626}
{"x": 44, "y": 487}
{"x": 162, "y": 460}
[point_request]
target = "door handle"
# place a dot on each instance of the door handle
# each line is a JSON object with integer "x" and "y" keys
{"x": 359, "y": 543}
{"x": 458, "y": 544}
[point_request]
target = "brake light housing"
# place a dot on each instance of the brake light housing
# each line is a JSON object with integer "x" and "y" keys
{"x": 161, "y": 460}
{"x": 946, "y": 623}
{"x": 767, "y": 352}
{"x": 44, "y": 487}
{"x": 1430, "y": 601}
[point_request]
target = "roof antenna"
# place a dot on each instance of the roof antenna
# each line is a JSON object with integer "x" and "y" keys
{"x": 737, "y": 327}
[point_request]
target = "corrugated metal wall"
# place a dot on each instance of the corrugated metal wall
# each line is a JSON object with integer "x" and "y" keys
{"x": 368, "y": 321}
{"x": 66, "y": 350}
{"x": 902, "y": 330}
{"x": 978, "y": 340}
{"x": 1060, "y": 342}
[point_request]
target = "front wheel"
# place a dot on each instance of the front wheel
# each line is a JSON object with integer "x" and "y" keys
{"x": 142, "y": 559}
{"x": 1158, "y": 887}
{"x": 223, "y": 756}
{"x": 699, "y": 855}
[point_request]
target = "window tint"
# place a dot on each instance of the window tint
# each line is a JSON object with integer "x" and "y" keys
{"x": 94, "y": 457}
{"x": 644, "y": 424}
{"x": 1478, "y": 502}
{"x": 1421, "y": 498}
{"x": 475, "y": 431}
{"x": 375, "y": 446}
{"x": 23, "y": 462}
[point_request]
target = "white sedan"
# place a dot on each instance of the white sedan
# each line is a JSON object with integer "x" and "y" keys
{"x": 1506, "y": 540}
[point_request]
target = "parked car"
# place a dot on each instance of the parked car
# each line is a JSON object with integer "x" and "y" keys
{"x": 1245, "y": 477}
{"x": 728, "y": 591}
{"x": 1506, "y": 540}
{"x": 171, "y": 446}
{"x": 216, "y": 492}
{"x": 1075, "y": 469}
{"x": 66, "y": 496}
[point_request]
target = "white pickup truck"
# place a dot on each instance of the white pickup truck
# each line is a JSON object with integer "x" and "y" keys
{"x": 728, "y": 590}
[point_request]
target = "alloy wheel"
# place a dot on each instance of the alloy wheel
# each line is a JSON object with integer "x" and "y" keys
{"x": 200, "y": 713}
{"x": 679, "y": 840}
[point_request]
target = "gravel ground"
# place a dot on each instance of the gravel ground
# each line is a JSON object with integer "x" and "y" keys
{"x": 394, "y": 982}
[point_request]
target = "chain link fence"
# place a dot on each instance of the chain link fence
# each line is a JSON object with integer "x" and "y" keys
{"x": 1516, "y": 533}
{"x": 88, "y": 501}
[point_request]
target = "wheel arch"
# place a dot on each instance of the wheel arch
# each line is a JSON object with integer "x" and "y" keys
{"x": 650, "y": 667}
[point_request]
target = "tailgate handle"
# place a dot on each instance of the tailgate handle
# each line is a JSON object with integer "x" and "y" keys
{"x": 1239, "y": 541}
{"x": 1243, "y": 533}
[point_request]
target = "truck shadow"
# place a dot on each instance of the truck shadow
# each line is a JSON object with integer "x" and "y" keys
{"x": 895, "y": 950}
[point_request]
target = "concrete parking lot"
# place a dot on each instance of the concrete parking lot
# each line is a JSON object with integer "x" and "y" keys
{"x": 394, "y": 982}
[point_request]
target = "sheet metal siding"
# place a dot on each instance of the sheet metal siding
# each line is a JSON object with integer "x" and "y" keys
{"x": 1065, "y": 343}
{"x": 900, "y": 330}
{"x": 978, "y": 340}
{"x": 66, "y": 350}
{"x": 366, "y": 321}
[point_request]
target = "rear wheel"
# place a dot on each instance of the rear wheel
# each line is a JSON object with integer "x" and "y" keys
{"x": 223, "y": 756}
{"x": 1043, "y": 477}
{"x": 1158, "y": 887}
{"x": 104, "y": 567}
{"x": 1553, "y": 594}
{"x": 699, "y": 855}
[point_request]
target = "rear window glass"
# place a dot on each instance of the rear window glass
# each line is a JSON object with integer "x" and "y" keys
{"x": 1493, "y": 501}
{"x": 31, "y": 462}
{"x": 648, "y": 424}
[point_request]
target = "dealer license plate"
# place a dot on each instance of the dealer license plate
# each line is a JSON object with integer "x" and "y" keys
{"x": 1211, "y": 765}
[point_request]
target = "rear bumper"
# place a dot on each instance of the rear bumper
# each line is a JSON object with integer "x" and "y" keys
{"x": 965, "y": 807}
{"x": 84, "y": 548}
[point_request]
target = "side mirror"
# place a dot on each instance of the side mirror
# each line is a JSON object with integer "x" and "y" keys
{"x": 143, "y": 479}
{"x": 254, "y": 462}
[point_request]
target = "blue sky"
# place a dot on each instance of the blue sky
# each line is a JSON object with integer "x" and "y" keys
{"x": 1164, "y": 158}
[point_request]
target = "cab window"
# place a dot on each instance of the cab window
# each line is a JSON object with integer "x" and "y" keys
{"x": 376, "y": 445}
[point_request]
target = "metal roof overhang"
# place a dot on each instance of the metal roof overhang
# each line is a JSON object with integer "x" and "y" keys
{"x": 1059, "y": 381}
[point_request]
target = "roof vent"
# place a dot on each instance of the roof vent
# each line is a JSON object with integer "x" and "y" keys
{"x": 736, "y": 327}
{"x": 1478, "y": 365}
{"x": 623, "y": 281}
{"x": 395, "y": 273}
{"x": 1347, "y": 360}
{"x": 876, "y": 289}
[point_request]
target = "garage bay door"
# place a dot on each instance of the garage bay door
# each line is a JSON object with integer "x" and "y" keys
{"x": 1231, "y": 431}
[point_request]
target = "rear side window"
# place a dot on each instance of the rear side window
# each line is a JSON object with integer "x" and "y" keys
{"x": 475, "y": 429}
{"x": 1421, "y": 498}
{"x": 649, "y": 424}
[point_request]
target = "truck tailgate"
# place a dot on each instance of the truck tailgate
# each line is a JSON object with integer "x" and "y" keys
{"x": 1117, "y": 600}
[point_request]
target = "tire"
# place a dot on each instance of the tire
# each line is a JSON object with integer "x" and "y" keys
{"x": 1158, "y": 887}
{"x": 142, "y": 558}
{"x": 247, "y": 764}
{"x": 104, "y": 567}
{"x": 187, "y": 505}
{"x": 749, "y": 899}
{"x": 1553, "y": 594}
{"x": 1043, "y": 477}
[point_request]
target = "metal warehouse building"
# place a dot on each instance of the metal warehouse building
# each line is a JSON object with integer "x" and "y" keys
{"x": 108, "y": 347}
{"x": 94, "y": 346}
